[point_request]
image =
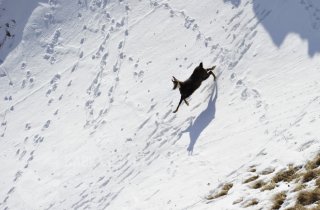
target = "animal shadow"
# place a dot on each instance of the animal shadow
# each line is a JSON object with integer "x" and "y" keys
{"x": 203, "y": 120}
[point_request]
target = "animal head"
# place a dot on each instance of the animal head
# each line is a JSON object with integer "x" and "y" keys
{"x": 200, "y": 66}
{"x": 176, "y": 83}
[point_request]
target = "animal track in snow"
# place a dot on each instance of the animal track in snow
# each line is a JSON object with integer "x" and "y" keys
{"x": 138, "y": 75}
{"x": 37, "y": 138}
{"x": 244, "y": 94}
{"x": 28, "y": 126}
{"x": 81, "y": 54}
{"x": 74, "y": 67}
{"x": 49, "y": 19}
{"x": 46, "y": 125}
{"x": 53, "y": 84}
{"x": 29, "y": 80}
{"x": 50, "y": 48}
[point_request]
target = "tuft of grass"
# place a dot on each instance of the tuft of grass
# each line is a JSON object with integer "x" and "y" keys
{"x": 252, "y": 202}
{"x": 299, "y": 187}
{"x": 286, "y": 175}
{"x": 252, "y": 170}
{"x": 270, "y": 186}
{"x": 308, "y": 197}
{"x": 224, "y": 191}
{"x": 315, "y": 163}
{"x": 258, "y": 184}
{"x": 278, "y": 200}
{"x": 300, "y": 207}
{"x": 310, "y": 175}
{"x": 267, "y": 171}
{"x": 316, "y": 207}
{"x": 239, "y": 200}
{"x": 318, "y": 182}
{"x": 251, "y": 179}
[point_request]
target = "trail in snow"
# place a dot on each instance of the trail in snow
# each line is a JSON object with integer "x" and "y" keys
{"x": 86, "y": 106}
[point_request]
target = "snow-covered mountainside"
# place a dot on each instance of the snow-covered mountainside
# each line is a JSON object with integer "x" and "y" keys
{"x": 86, "y": 104}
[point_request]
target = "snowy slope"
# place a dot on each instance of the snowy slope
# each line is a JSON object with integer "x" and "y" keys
{"x": 86, "y": 101}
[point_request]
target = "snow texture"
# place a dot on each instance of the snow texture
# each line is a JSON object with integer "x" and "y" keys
{"x": 86, "y": 101}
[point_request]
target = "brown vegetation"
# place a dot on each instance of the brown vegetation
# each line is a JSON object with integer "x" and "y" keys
{"x": 270, "y": 186}
{"x": 252, "y": 202}
{"x": 224, "y": 191}
{"x": 278, "y": 200}
{"x": 299, "y": 178}
{"x": 251, "y": 179}
{"x": 308, "y": 197}
{"x": 315, "y": 163}
{"x": 286, "y": 175}
{"x": 258, "y": 184}
{"x": 310, "y": 175}
{"x": 299, "y": 187}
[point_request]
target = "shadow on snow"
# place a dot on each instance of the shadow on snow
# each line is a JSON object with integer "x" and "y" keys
{"x": 203, "y": 120}
{"x": 13, "y": 19}
{"x": 281, "y": 18}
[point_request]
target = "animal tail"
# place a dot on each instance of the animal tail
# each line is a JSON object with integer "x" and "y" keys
{"x": 175, "y": 83}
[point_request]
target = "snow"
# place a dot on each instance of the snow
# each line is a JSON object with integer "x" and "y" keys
{"x": 86, "y": 101}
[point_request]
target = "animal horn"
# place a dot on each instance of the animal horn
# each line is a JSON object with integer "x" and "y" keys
{"x": 175, "y": 82}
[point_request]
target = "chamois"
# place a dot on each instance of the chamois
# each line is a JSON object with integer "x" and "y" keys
{"x": 187, "y": 87}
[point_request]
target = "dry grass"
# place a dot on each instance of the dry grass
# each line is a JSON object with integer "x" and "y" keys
{"x": 224, "y": 191}
{"x": 252, "y": 202}
{"x": 252, "y": 168}
{"x": 299, "y": 179}
{"x": 251, "y": 179}
{"x": 239, "y": 200}
{"x": 308, "y": 197}
{"x": 310, "y": 175}
{"x": 315, "y": 163}
{"x": 267, "y": 171}
{"x": 300, "y": 207}
{"x": 299, "y": 187}
{"x": 270, "y": 186}
{"x": 258, "y": 184}
{"x": 286, "y": 175}
{"x": 318, "y": 182}
{"x": 316, "y": 207}
{"x": 278, "y": 200}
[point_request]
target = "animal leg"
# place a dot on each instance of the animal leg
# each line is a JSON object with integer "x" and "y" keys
{"x": 178, "y": 105}
{"x": 185, "y": 101}
{"x": 210, "y": 69}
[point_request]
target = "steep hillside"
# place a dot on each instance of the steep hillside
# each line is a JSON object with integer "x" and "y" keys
{"x": 86, "y": 103}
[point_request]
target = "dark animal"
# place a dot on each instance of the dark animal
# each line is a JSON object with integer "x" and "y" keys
{"x": 187, "y": 87}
